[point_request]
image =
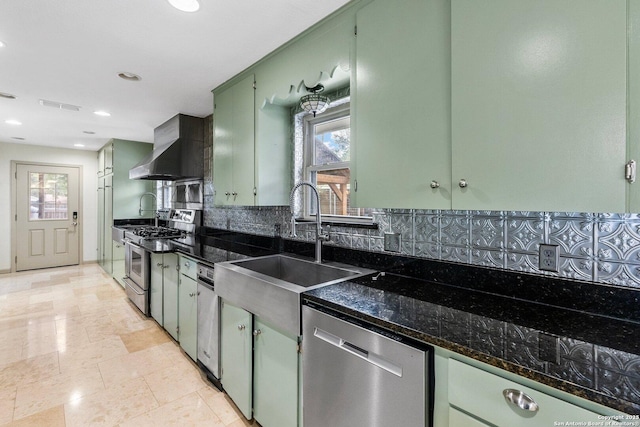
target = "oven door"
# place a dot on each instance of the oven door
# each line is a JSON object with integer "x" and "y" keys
{"x": 137, "y": 265}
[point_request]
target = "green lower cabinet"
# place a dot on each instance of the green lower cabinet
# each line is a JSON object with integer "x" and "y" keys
{"x": 188, "y": 316}
{"x": 170, "y": 294}
{"x": 155, "y": 288}
{"x": 480, "y": 394}
{"x": 275, "y": 377}
{"x": 236, "y": 354}
{"x": 118, "y": 271}
{"x": 260, "y": 368}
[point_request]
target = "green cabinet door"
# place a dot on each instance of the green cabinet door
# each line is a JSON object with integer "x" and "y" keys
{"x": 170, "y": 293}
{"x": 234, "y": 151}
{"x": 460, "y": 419}
{"x": 188, "y": 315}
{"x": 155, "y": 288}
{"x": 539, "y": 104}
{"x": 236, "y": 352}
{"x": 118, "y": 262}
{"x": 275, "y": 377}
{"x": 108, "y": 222}
{"x": 633, "y": 189}
{"x": 401, "y": 105}
{"x": 101, "y": 236}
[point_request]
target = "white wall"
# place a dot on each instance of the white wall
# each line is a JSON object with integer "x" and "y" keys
{"x": 33, "y": 153}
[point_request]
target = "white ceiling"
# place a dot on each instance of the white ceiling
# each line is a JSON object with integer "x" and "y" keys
{"x": 70, "y": 51}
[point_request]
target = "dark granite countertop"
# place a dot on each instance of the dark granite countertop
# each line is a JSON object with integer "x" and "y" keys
{"x": 591, "y": 356}
{"x": 579, "y": 337}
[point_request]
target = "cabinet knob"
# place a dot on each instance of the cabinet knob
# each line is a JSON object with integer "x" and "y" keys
{"x": 187, "y": 264}
{"x": 192, "y": 294}
{"x": 227, "y": 194}
{"x": 521, "y": 400}
{"x": 463, "y": 183}
{"x": 241, "y": 327}
{"x": 159, "y": 264}
{"x": 257, "y": 332}
{"x": 435, "y": 184}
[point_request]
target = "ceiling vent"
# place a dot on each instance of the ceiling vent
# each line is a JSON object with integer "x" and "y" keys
{"x": 59, "y": 105}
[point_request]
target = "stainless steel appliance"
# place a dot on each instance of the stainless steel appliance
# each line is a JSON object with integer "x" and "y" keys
{"x": 137, "y": 271}
{"x": 182, "y": 225}
{"x": 208, "y": 325}
{"x": 354, "y": 376}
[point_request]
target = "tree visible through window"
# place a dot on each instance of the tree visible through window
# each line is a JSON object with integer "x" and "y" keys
{"x": 48, "y": 196}
{"x": 327, "y": 158}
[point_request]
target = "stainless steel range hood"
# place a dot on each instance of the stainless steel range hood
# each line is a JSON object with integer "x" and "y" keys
{"x": 178, "y": 151}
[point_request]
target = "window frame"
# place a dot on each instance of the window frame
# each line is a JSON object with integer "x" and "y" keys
{"x": 309, "y": 167}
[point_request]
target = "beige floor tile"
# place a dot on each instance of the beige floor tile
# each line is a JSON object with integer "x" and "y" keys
{"x": 174, "y": 382}
{"x": 52, "y": 417}
{"x": 91, "y": 354}
{"x": 140, "y": 340}
{"x": 7, "y": 402}
{"x": 56, "y": 390}
{"x": 29, "y": 370}
{"x": 189, "y": 411}
{"x": 221, "y": 405}
{"x": 133, "y": 365}
{"x": 111, "y": 406}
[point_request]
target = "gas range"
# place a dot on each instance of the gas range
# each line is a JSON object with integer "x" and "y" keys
{"x": 151, "y": 232}
{"x": 182, "y": 224}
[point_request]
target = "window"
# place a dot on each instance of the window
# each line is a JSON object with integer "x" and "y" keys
{"x": 47, "y": 196}
{"x": 327, "y": 156}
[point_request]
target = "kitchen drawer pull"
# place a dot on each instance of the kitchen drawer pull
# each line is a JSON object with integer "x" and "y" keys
{"x": 520, "y": 399}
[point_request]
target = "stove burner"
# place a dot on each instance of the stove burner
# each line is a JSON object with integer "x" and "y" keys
{"x": 157, "y": 232}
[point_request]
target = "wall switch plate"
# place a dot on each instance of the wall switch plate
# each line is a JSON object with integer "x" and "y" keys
{"x": 549, "y": 257}
{"x": 392, "y": 242}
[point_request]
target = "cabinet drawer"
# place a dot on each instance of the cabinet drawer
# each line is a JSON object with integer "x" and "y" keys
{"x": 480, "y": 393}
{"x": 188, "y": 267}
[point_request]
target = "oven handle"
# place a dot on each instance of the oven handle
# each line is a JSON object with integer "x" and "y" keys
{"x": 133, "y": 287}
{"x": 130, "y": 242}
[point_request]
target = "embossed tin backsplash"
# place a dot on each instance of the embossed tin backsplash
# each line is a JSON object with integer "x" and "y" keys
{"x": 603, "y": 248}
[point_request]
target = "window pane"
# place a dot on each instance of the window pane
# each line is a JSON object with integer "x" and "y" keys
{"x": 332, "y": 141}
{"x": 48, "y": 196}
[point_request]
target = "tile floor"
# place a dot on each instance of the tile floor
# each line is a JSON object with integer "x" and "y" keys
{"x": 75, "y": 352}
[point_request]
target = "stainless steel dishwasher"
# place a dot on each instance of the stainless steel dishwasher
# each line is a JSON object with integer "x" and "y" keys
{"x": 208, "y": 325}
{"x": 353, "y": 376}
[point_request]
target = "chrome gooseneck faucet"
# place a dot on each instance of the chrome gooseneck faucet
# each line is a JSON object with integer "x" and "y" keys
{"x": 320, "y": 235}
{"x": 141, "y": 211}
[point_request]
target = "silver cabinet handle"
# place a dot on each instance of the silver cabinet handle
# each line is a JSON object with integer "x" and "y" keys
{"x": 435, "y": 184}
{"x": 257, "y": 332}
{"x": 159, "y": 264}
{"x": 521, "y": 400}
{"x": 227, "y": 194}
{"x": 463, "y": 183}
{"x": 192, "y": 294}
{"x": 241, "y": 327}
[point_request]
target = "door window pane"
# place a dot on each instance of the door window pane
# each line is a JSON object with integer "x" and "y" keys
{"x": 48, "y": 194}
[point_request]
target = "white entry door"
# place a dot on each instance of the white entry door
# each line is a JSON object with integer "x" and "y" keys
{"x": 47, "y": 216}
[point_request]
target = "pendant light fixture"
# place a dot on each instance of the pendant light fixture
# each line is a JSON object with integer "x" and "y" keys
{"x": 314, "y": 102}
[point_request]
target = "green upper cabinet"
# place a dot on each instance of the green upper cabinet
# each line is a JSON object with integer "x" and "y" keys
{"x": 539, "y": 104}
{"x": 233, "y": 144}
{"x": 633, "y": 190}
{"x": 400, "y": 105}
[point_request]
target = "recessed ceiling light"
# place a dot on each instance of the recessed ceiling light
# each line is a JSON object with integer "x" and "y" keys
{"x": 129, "y": 76}
{"x": 78, "y": 145}
{"x": 7, "y": 95}
{"x": 13, "y": 122}
{"x": 19, "y": 138}
{"x": 2, "y": 44}
{"x": 102, "y": 113}
{"x": 89, "y": 132}
{"x": 185, "y": 5}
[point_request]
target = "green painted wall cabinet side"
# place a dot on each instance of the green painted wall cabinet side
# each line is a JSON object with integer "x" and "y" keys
{"x": 233, "y": 144}
{"x": 156, "y": 288}
{"x": 118, "y": 262}
{"x": 400, "y": 106}
{"x": 236, "y": 356}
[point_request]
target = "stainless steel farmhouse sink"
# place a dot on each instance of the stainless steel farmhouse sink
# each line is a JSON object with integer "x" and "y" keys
{"x": 270, "y": 286}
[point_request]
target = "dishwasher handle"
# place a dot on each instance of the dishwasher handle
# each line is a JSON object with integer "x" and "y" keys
{"x": 370, "y": 357}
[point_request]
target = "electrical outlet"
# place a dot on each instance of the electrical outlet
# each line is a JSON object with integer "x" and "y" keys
{"x": 392, "y": 242}
{"x": 549, "y": 257}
